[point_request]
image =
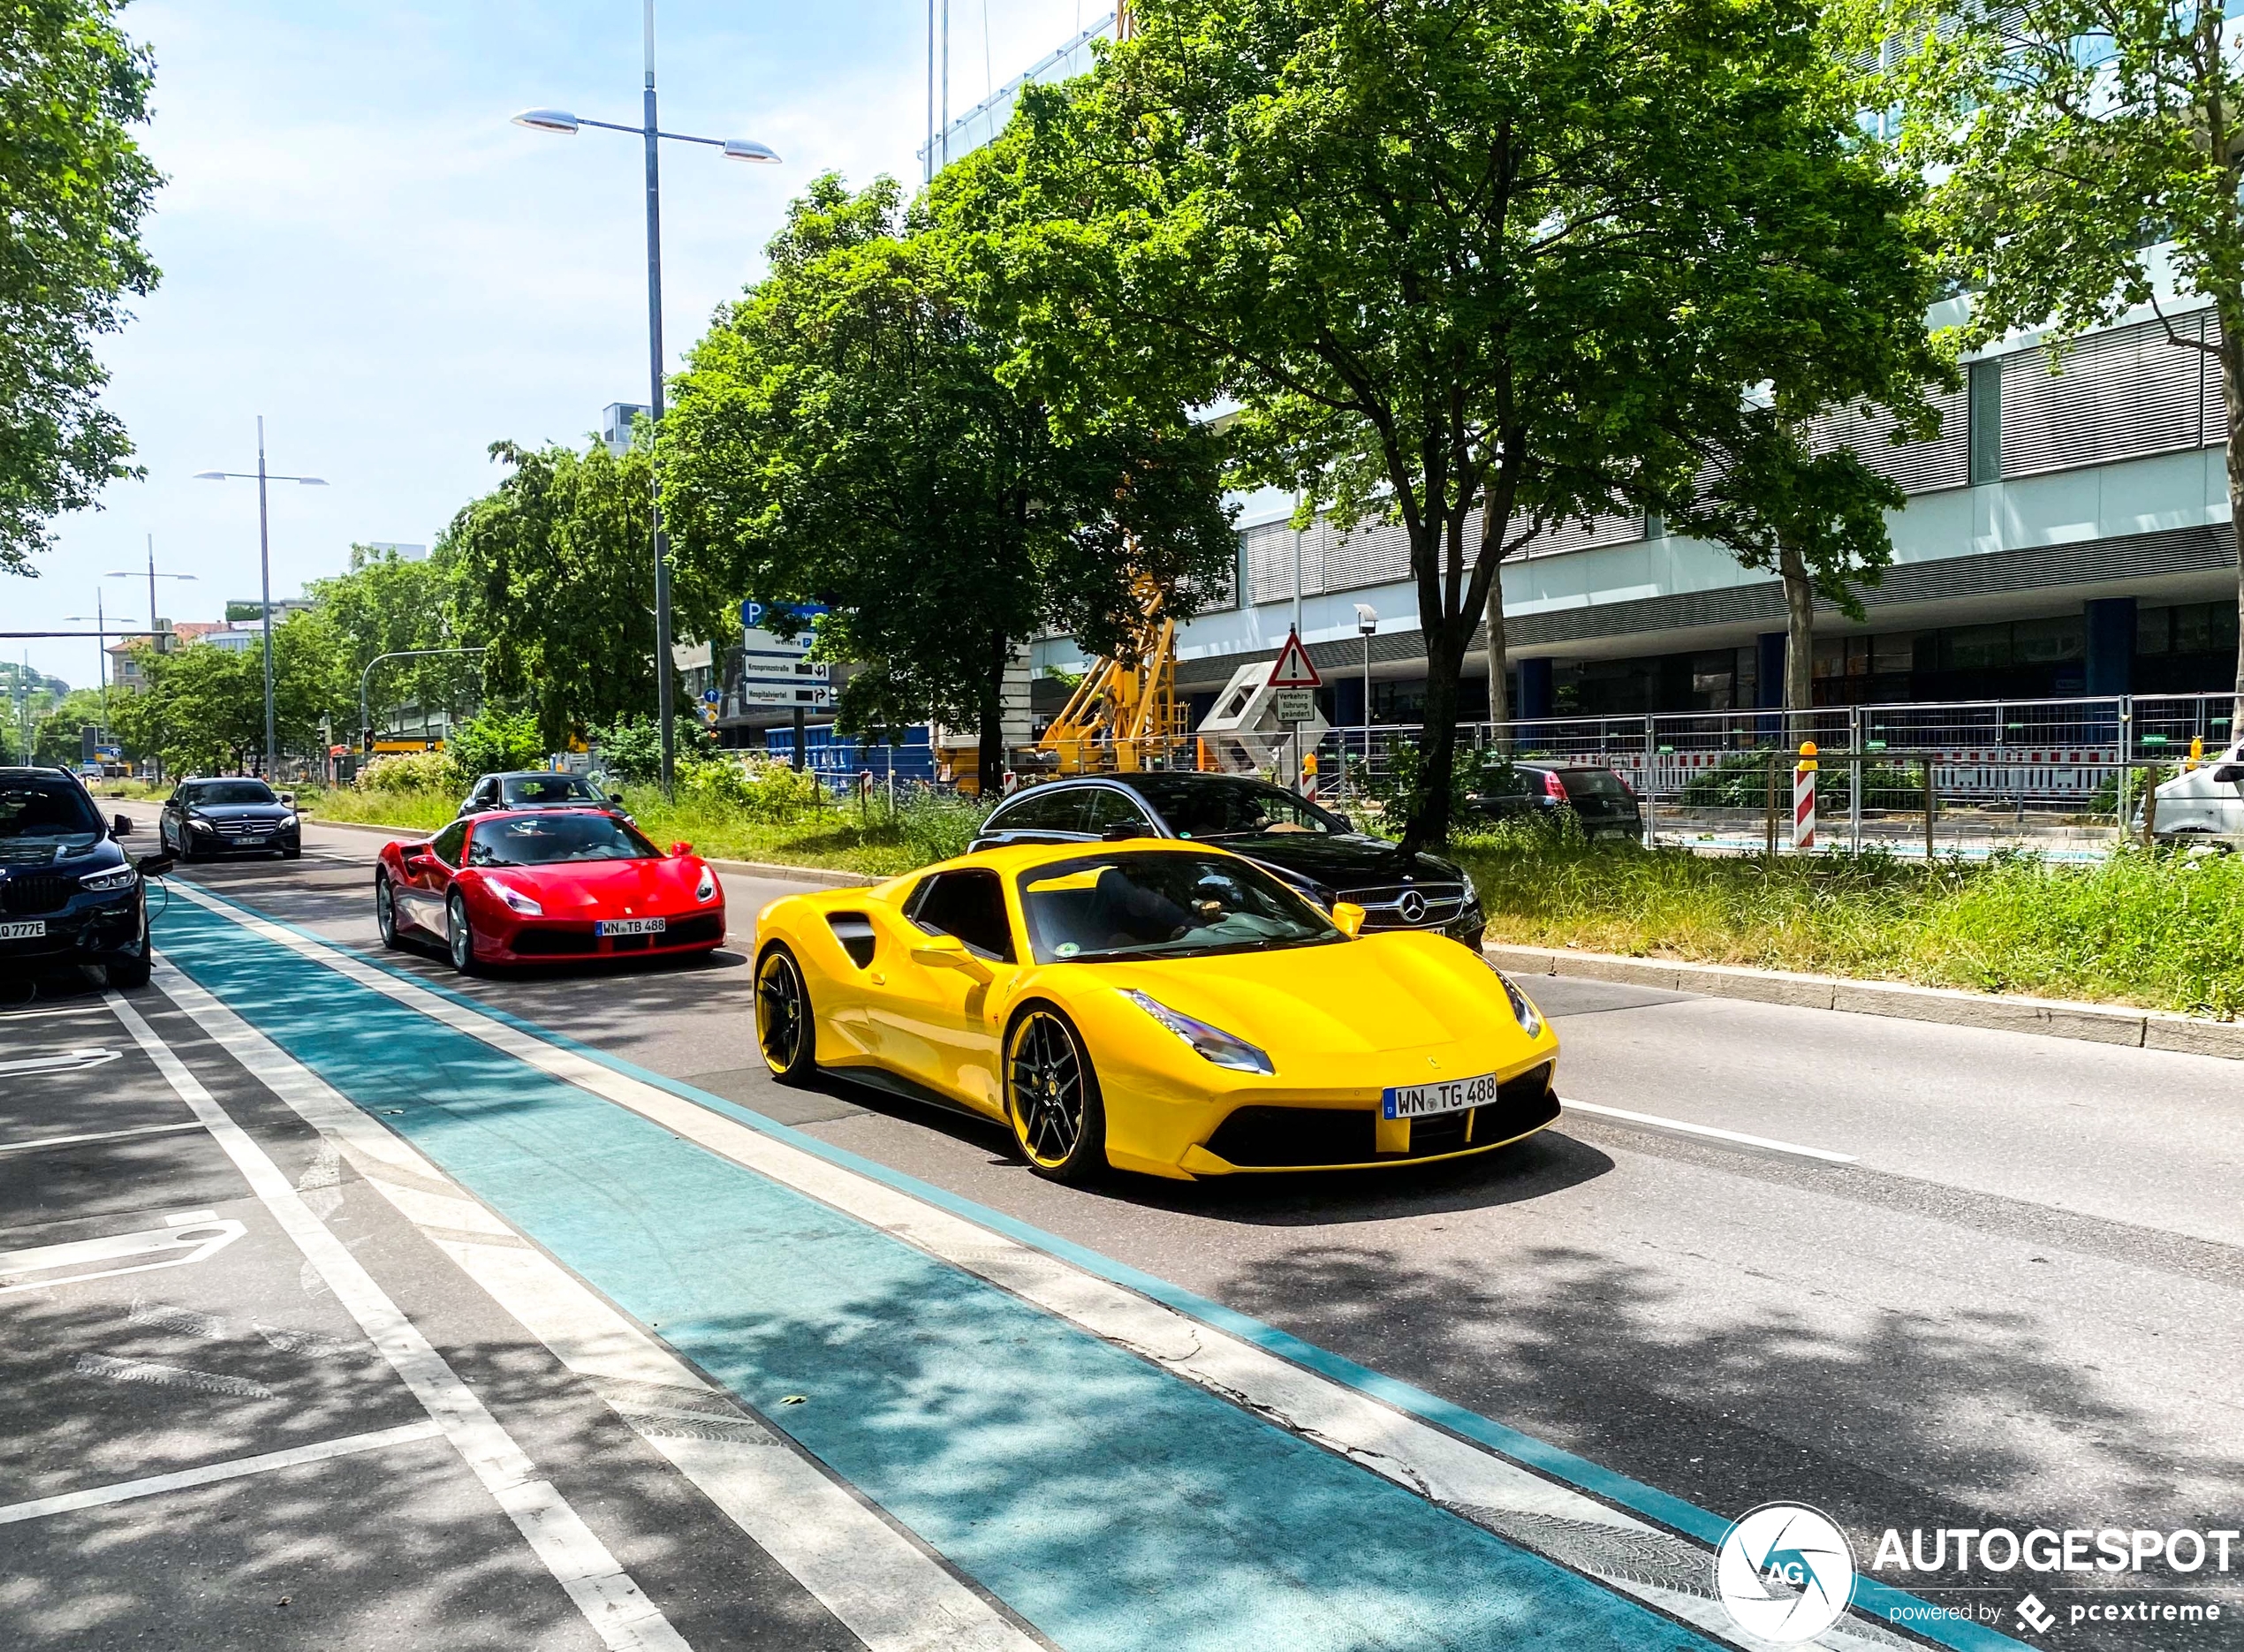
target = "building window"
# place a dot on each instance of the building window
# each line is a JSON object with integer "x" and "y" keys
{"x": 1986, "y": 422}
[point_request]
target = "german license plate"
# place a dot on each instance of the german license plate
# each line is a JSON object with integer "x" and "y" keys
{"x": 22, "y": 931}
{"x": 631, "y": 926}
{"x": 1423, "y": 1101}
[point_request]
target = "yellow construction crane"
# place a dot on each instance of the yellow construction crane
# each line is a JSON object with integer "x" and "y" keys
{"x": 1124, "y": 715}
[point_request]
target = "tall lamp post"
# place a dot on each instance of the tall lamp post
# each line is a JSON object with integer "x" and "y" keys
{"x": 733, "y": 149}
{"x": 153, "y": 576}
{"x": 101, "y": 630}
{"x": 264, "y": 573}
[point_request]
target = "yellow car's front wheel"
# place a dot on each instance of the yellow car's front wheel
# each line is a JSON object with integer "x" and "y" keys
{"x": 1053, "y": 1098}
{"x": 782, "y": 1024}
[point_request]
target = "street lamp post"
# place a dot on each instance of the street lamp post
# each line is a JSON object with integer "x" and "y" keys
{"x": 153, "y": 576}
{"x": 1366, "y": 628}
{"x": 264, "y": 573}
{"x": 100, "y": 631}
{"x": 733, "y": 149}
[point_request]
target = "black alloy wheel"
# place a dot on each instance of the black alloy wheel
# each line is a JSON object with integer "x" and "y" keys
{"x": 1053, "y": 1098}
{"x": 385, "y": 911}
{"x": 460, "y": 934}
{"x": 783, "y": 1029}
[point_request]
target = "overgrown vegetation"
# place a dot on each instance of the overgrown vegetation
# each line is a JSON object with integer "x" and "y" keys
{"x": 2158, "y": 929}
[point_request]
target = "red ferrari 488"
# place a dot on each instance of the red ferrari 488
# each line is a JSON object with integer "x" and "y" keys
{"x": 535, "y": 886}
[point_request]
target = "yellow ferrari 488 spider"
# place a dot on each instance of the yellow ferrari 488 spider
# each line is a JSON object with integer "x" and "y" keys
{"x": 1162, "y": 1007}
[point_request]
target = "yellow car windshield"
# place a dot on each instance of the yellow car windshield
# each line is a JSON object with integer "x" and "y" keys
{"x": 1161, "y": 905}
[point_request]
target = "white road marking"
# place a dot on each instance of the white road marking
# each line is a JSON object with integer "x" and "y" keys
{"x": 62, "y": 1061}
{"x": 191, "y": 1238}
{"x": 1554, "y": 1519}
{"x": 890, "y": 1593}
{"x": 209, "y": 1474}
{"x": 98, "y": 1135}
{"x": 40, "y": 1015}
{"x": 611, "y": 1601}
{"x": 1683, "y": 1127}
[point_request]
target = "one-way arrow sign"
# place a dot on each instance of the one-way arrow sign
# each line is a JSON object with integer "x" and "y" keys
{"x": 1292, "y": 667}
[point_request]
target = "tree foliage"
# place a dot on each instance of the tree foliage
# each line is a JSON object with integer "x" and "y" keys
{"x": 2091, "y": 154}
{"x": 385, "y": 603}
{"x": 845, "y": 435}
{"x": 203, "y": 709}
{"x": 1473, "y": 266}
{"x": 75, "y": 187}
{"x": 554, "y": 571}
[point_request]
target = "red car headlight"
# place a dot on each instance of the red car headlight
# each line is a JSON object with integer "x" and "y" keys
{"x": 706, "y": 890}
{"x": 514, "y": 898}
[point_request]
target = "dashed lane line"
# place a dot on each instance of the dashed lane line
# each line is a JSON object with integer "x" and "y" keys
{"x": 611, "y": 1602}
{"x": 211, "y": 1474}
{"x": 41, "y": 1143}
{"x": 1684, "y": 1128}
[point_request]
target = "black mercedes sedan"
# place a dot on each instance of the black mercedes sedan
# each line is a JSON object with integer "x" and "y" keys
{"x": 1319, "y": 852}
{"x": 68, "y": 892}
{"x": 206, "y": 818}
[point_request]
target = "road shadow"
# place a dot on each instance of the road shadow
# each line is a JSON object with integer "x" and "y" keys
{"x": 1888, "y": 1419}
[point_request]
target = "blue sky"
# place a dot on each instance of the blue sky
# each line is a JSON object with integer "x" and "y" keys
{"x": 357, "y": 245}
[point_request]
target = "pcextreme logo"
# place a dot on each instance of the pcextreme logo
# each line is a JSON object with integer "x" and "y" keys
{"x": 1785, "y": 1573}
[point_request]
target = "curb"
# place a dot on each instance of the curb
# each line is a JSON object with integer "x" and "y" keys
{"x": 2050, "y": 1018}
{"x": 827, "y": 875}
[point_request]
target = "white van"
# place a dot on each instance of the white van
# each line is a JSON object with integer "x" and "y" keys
{"x": 2208, "y": 800}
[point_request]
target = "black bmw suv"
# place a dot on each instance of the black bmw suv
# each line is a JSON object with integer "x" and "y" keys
{"x": 68, "y": 892}
{"x": 1318, "y": 852}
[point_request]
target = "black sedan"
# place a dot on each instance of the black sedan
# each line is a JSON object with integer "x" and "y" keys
{"x": 68, "y": 893}
{"x": 1319, "y": 852}
{"x": 206, "y": 818}
{"x": 535, "y": 789}
{"x": 1595, "y": 795}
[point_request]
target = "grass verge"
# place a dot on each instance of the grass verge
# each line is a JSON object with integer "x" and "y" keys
{"x": 2161, "y": 931}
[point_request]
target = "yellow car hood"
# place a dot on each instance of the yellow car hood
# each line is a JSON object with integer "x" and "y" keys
{"x": 1351, "y": 998}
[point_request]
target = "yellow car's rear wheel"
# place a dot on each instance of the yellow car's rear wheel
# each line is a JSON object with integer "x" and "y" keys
{"x": 1052, "y": 1097}
{"x": 782, "y": 1024}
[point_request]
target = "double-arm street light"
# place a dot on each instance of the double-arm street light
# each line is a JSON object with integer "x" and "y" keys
{"x": 260, "y": 476}
{"x": 733, "y": 149}
{"x": 153, "y": 576}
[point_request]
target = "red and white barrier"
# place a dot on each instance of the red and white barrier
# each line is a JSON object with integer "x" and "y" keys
{"x": 1803, "y": 799}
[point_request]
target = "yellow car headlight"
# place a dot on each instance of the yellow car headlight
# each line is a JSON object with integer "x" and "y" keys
{"x": 1529, "y": 1018}
{"x": 1212, "y": 1042}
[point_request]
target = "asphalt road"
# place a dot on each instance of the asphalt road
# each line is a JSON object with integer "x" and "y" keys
{"x": 1999, "y": 1287}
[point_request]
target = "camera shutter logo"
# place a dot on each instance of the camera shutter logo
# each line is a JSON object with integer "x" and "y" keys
{"x": 1785, "y": 1573}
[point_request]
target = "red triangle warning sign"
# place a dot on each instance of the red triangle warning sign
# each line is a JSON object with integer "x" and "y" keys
{"x": 1292, "y": 667}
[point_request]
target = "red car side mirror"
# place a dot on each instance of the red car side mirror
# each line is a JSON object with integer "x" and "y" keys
{"x": 681, "y": 847}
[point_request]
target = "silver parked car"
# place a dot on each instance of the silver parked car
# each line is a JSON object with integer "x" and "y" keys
{"x": 2207, "y": 801}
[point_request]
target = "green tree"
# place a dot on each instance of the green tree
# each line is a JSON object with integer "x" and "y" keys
{"x": 2088, "y": 151}
{"x": 59, "y": 736}
{"x": 554, "y": 571}
{"x": 845, "y": 435}
{"x": 1472, "y": 266}
{"x": 76, "y": 187}
{"x": 385, "y": 603}
{"x": 204, "y": 707}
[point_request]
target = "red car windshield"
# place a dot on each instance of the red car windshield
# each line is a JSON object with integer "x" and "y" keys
{"x": 557, "y": 839}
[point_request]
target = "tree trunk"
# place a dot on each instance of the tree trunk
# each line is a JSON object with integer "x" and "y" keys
{"x": 1429, "y": 810}
{"x": 1499, "y": 658}
{"x": 990, "y": 756}
{"x": 2231, "y": 360}
{"x": 1799, "y": 638}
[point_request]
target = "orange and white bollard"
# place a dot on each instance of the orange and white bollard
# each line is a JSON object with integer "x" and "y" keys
{"x": 1803, "y": 798}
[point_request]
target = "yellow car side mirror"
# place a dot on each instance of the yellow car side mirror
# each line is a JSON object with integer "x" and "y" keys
{"x": 1347, "y": 917}
{"x": 947, "y": 952}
